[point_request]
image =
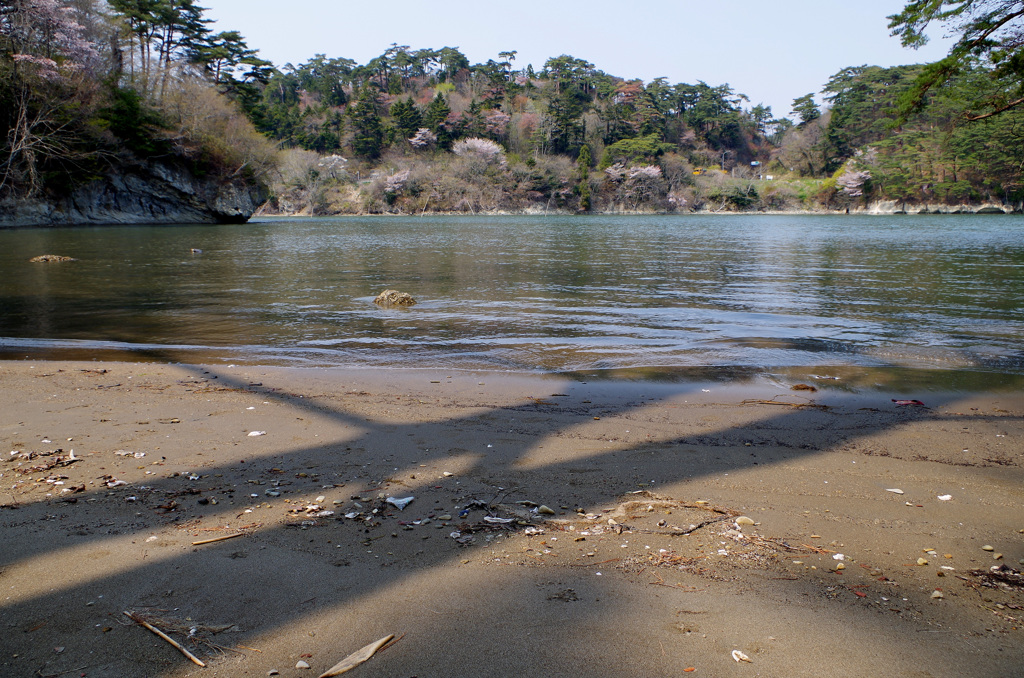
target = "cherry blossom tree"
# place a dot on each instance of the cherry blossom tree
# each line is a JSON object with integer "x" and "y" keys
{"x": 423, "y": 138}
{"x": 43, "y": 55}
{"x": 484, "y": 149}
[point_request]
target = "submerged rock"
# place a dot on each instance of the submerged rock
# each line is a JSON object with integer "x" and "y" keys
{"x": 394, "y": 298}
{"x": 49, "y": 258}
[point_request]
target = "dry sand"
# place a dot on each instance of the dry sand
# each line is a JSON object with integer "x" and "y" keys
{"x": 640, "y": 571}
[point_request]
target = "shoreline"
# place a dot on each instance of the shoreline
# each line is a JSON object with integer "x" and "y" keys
{"x": 986, "y": 209}
{"x": 645, "y": 481}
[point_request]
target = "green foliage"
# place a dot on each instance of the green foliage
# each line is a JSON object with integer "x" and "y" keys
{"x": 437, "y": 113}
{"x": 647, "y": 148}
{"x": 134, "y": 124}
{"x": 583, "y": 173}
{"x": 734, "y": 195}
{"x": 406, "y": 117}
{"x": 805, "y": 108}
{"x": 863, "y": 100}
{"x": 987, "y": 29}
{"x": 368, "y": 132}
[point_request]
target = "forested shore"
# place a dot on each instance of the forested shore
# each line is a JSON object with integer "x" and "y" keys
{"x": 129, "y": 89}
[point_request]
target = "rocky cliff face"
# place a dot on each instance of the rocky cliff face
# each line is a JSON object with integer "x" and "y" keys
{"x": 145, "y": 193}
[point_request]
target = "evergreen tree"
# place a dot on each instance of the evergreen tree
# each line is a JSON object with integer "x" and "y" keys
{"x": 368, "y": 132}
{"x": 805, "y": 108}
{"x": 406, "y": 117}
{"x": 437, "y": 113}
{"x": 989, "y": 29}
{"x": 583, "y": 172}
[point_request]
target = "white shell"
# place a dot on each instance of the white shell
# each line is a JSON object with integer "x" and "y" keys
{"x": 400, "y": 504}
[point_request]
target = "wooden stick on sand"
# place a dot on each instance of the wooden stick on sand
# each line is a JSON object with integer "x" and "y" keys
{"x": 210, "y": 541}
{"x": 165, "y": 637}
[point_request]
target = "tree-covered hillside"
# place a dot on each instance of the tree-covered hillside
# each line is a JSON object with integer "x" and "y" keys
{"x": 89, "y": 89}
{"x": 424, "y": 129}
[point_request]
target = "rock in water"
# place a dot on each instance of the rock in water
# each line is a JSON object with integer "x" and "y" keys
{"x": 394, "y": 298}
{"x": 48, "y": 258}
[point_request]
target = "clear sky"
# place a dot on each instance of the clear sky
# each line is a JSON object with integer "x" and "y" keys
{"x": 773, "y": 52}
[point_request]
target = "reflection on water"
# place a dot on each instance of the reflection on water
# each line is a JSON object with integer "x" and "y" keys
{"x": 651, "y": 295}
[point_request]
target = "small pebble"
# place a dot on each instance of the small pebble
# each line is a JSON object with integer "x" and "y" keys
{"x": 301, "y": 665}
{"x": 937, "y": 594}
{"x": 997, "y": 556}
{"x": 744, "y": 520}
{"x": 273, "y": 672}
{"x": 922, "y": 561}
{"x": 988, "y": 547}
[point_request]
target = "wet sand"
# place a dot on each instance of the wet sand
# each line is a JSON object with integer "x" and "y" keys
{"x": 647, "y": 564}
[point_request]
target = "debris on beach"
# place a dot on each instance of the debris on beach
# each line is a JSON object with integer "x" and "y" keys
{"x": 399, "y": 503}
{"x": 145, "y": 624}
{"x": 254, "y": 434}
{"x": 216, "y": 539}
{"x": 904, "y": 403}
{"x": 358, "y": 657}
{"x": 1000, "y": 576}
{"x": 740, "y": 657}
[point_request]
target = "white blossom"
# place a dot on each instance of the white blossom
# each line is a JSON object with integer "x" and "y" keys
{"x": 475, "y": 147}
{"x": 423, "y": 138}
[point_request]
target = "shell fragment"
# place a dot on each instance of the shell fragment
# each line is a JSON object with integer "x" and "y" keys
{"x": 740, "y": 657}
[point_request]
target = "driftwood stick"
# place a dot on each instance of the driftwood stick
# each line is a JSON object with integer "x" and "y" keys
{"x": 166, "y": 637}
{"x": 210, "y": 541}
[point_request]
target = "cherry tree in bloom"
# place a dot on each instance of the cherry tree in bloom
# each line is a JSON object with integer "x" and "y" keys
{"x": 485, "y": 149}
{"x": 496, "y": 123}
{"x": 851, "y": 182}
{"x": 423, "y": 138}
{"x": 46, "y": 35}
{"x": 396, "y": 182}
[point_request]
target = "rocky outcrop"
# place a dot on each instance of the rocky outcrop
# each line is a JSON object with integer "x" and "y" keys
{"x": 894, "y": 207}
{"x": 143, "y": 193}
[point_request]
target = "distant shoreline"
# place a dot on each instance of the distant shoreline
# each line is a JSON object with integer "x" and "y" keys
{"x": 873, "y": 210}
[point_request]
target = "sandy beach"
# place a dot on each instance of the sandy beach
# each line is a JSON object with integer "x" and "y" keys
{"x": 556, "y": 527}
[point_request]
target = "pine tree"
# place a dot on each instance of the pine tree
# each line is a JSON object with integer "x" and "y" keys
{"x": 406, "y": 117}
{"x": 368, "y": 132}
{"x": 437, "y": 112}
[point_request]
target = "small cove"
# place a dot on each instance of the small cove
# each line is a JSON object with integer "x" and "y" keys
{"x": 922, "y": 300}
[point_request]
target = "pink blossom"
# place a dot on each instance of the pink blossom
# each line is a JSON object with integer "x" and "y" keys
{"x": 480, "y": 148}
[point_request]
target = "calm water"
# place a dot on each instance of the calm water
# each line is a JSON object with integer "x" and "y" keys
{"x": 649, "y": 296}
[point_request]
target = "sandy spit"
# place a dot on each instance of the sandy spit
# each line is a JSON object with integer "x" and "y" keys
{"x": 686, "y": 522}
